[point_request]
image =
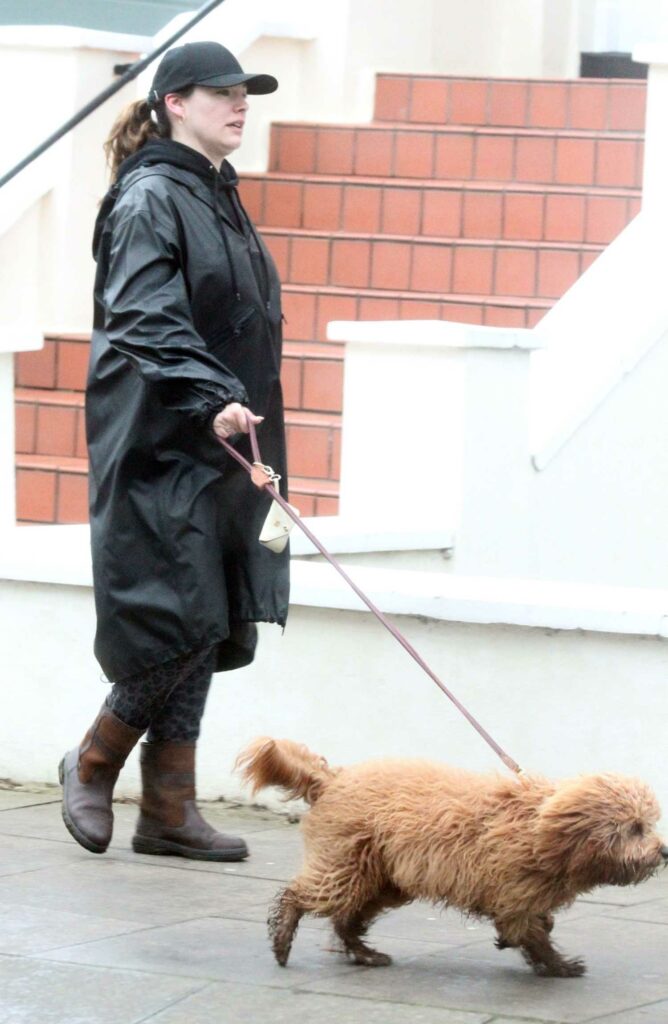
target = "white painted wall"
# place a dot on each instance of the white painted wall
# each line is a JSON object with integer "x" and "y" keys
{"x": 601, "y": 506}
{"x": 595, "y": 512}
{"x": 46, "y": 258}
{"x": 559, "y": 702}
{"x": 502, "y": 36}
{"x": 622, "y": 25}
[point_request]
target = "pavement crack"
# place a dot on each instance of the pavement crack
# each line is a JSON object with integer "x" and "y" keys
{"x": 614, "y": 1014}
{"x": 174, "y": 1002}
{"x": 27, "y": 807}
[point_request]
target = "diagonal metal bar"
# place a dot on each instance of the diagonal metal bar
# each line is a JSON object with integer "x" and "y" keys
{"x": 132, "y": 72}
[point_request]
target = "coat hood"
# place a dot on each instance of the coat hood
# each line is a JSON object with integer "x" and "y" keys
{"x": 167, "y": 151}
{"x": 164, "y": 151}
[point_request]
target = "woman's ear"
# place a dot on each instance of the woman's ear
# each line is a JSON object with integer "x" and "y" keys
{"x": 175, "y": 105}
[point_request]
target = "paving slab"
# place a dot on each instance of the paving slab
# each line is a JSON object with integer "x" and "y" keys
{"x": 142, "y": 893}
{"x": 34, "y": 992}
{"x": 227, "y": 1002}
{"x": 127, "y": 939}
{"x": 43, "y": 821}
{"x": 653, "y": 1013}
{"x": 19, "y": 855}
{"x": 223, "y": 949}
{"x": 27, "y": 930}
{"x": 627, "y": 967}
{"x": 11, "y": 799}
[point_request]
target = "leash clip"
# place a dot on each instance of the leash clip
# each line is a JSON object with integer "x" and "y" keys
{"x": 262, "y": 475}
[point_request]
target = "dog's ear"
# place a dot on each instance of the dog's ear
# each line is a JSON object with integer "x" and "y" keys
{"x": 577, "y": 826}
{"x": 559, "y": 831}
{"x": 581, "y": 826}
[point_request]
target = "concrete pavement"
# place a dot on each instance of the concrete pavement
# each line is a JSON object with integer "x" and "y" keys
{"x": 127, "y": 939}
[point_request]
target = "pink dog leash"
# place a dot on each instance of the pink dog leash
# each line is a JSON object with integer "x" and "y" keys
{"x": 263, "y": 477}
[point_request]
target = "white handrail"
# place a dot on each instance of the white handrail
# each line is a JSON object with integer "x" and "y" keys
{"x": 35, "y": 182}
{"x": 595, "y": 335}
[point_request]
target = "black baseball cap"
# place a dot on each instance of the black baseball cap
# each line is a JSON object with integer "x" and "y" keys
{"x": 204, "y": 64}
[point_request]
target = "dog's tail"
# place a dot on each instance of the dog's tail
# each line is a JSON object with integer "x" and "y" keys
{"x": 290, "y": 766}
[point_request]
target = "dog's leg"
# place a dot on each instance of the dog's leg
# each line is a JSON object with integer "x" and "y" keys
{"x": 501, "y": 942}
{"x": 351, "y": 927}
{"x": 284, "y": 918}
{"x": 539, "y": 952}
{"x": 532, "y": 938}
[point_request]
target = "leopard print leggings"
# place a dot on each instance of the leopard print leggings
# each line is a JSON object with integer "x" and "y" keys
{"x": 168, "y": 699}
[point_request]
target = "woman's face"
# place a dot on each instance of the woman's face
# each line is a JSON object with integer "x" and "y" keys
{"x": 210, "y": 120}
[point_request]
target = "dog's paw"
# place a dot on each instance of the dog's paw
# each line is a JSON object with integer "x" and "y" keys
{"x": 561, "y": 969}
{"x": 372, "y": 958}
{"x": 574, "y": 968}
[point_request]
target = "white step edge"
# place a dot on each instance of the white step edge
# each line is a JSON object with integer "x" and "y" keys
{"x": 60, "y": 555}
{"x": 346, "y": 537}
{"x": 543, "y": 604}
{"x": 53, "y": 553}
{"x": 21, "y": 338}
{"x": 431, "y": 333}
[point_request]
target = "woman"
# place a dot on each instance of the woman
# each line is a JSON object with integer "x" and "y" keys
{"x": 186, "y": 346}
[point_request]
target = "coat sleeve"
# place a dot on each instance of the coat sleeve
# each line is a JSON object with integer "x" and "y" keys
{"x": 147, "y": 311}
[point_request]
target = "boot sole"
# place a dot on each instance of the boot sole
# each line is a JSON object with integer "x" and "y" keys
{"x": 164, "y": 847}
{"x": 81, "y": 839}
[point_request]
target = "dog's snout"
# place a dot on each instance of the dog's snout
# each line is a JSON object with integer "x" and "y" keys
{"x": 664, "y": 853}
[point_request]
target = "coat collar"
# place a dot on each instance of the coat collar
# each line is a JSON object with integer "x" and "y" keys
{"x": 184, "y": 177}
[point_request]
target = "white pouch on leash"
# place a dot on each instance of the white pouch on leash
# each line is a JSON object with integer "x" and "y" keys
{"x": 276, "y": 528}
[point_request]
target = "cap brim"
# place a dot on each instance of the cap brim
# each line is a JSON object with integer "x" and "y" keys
{"x": 257, "y": 85}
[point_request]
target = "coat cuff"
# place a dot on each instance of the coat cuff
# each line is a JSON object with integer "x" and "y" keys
{"x": 213, "y": 399}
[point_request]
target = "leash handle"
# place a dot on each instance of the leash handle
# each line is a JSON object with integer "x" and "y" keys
{"x": 408, "y": 647}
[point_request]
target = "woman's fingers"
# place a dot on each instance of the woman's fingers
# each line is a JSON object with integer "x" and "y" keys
{"x": 233, "y": 419}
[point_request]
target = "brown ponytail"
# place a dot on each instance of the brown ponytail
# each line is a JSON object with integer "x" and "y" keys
{"x": 134, "y": 126}
{"x": 131, "y": 129}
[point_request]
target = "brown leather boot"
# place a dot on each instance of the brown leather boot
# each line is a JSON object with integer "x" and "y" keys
{"x": 169, "y": 822}
{"x": 88, "y": 775}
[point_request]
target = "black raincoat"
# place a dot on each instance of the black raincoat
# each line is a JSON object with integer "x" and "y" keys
{"x": 187, "y": 319}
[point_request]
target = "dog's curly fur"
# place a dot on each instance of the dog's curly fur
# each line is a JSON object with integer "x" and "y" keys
{"x": 512, "y": 850}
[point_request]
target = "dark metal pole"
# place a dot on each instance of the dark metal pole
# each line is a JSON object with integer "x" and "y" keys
{"x": 131, "y": 73}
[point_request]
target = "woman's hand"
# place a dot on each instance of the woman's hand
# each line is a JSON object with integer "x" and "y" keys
{"x": 233, "y": 419}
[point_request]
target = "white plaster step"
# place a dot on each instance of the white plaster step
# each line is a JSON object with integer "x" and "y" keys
{"x": 60, "y": 555}
{"x": 486, "y": 600}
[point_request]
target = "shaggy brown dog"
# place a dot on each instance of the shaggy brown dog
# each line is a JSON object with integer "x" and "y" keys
{"x": 513, "y": 850}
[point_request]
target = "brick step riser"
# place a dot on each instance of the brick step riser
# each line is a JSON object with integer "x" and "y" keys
{"x": 600, "y": 105}
{"x": 57, "y": 496}
{"x": 448, "y": 269}
{"x": 438, "y": 212}
{"x": 51, "y": 496}
{"x": 390, "y": 152}
{"x": 314, "y": 450}
{"x": 309, "y": 310}
{"x": 310, "y": 384}
{"x": 44, "y": 429}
